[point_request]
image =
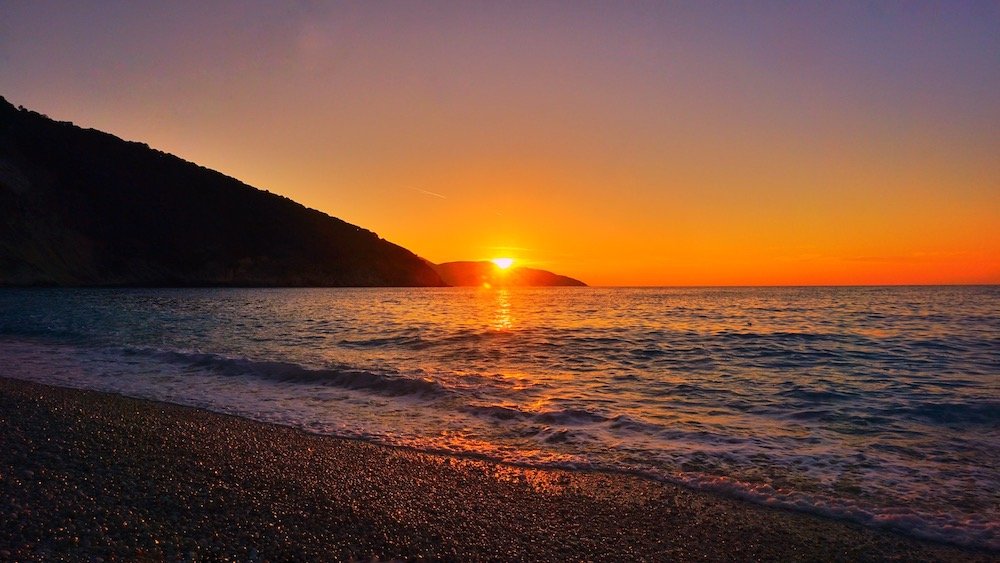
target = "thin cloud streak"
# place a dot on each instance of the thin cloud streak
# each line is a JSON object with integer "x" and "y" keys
{"x": 425, "y": 192}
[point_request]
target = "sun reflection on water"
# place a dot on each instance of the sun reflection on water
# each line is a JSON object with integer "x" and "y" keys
{"x": 503, "y": 319}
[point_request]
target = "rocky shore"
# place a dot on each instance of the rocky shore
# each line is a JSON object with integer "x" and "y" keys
{"x": 91, "y": 476}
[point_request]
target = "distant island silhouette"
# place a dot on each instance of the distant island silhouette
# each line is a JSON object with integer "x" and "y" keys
{"x": 80, "y": 207}
{"x": 488, "y": 273}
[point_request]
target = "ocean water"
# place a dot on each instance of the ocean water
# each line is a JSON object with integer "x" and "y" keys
{"x": 878, "y": 405}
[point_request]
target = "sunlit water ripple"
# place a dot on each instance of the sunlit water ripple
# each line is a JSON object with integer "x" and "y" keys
{"x": 881, "y": 405}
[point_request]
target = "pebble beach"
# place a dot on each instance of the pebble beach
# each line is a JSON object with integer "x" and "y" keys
{"x": 100, "y": 477}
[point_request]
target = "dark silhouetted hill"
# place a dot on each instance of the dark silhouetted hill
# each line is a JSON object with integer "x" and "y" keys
{"x": 480, "y": 273}
{"x": 82, "y": 207}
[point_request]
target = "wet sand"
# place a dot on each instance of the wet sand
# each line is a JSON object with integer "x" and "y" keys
{"x": 92, "y": 476}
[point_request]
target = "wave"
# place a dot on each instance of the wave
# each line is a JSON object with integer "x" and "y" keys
{"x": 950, "y": 412}
{"x": 563, "y": 419}
{"x": 393, "y": 385}
{"x": 977, "y": 531}
{"x": 42, "y": 333}
{"x": 410, "y": 342}
{"x": 824, "y": 396}
{"x": 424, "y": 341}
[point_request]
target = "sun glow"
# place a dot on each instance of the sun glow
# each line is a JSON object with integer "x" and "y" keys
{"x": 503, "y": 263}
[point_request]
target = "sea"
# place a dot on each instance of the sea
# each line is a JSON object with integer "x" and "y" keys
{"x": 879, "y": 405}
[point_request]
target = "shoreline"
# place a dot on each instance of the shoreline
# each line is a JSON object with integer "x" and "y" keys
{"x": 85, "y": 474}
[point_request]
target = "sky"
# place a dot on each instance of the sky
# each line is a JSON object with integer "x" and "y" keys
{"x": 623, "y": 143}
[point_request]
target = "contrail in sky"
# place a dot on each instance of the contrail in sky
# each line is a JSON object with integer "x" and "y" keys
{"x": 425, "y": 192}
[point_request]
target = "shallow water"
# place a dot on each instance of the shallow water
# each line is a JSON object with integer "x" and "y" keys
{"x": 880, "y": 405}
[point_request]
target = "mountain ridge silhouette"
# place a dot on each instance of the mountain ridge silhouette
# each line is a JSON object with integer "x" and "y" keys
{"x": 81, "y": 207}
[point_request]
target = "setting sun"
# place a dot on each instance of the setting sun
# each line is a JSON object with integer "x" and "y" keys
{"x": 503, "y": 263}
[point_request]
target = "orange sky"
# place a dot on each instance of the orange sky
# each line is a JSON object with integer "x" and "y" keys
{"x": 644, "y": 145}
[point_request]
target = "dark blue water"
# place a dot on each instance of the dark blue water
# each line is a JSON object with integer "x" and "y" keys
{"x": 881, "y": 405}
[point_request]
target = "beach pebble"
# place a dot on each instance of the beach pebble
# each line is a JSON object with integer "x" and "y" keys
{"x": 156, "y": 482}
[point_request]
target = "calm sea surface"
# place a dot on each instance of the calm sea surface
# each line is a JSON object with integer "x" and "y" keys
{"x": 880, "y": 405}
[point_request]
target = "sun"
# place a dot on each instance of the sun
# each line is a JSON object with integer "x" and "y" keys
{"x": 503, "y": 263}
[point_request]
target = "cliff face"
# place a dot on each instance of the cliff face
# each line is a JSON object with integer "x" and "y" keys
{"x": 82, "y": 207}
{"x": 480, "y": 273}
